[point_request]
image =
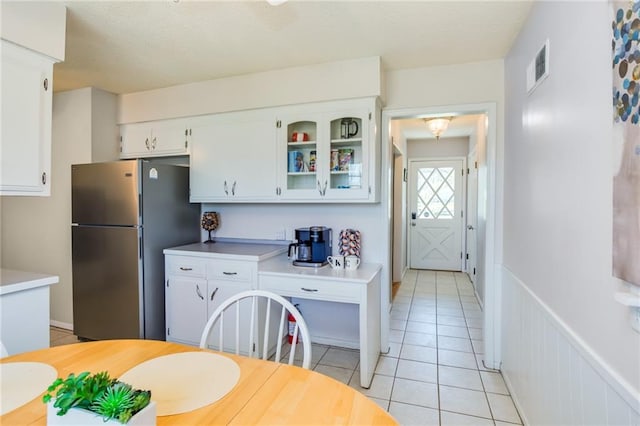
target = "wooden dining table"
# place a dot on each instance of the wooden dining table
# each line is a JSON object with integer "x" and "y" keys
{"x": 266, "y": 393}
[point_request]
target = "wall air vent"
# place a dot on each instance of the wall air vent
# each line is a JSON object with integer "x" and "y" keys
{"x": 538, "y": 69}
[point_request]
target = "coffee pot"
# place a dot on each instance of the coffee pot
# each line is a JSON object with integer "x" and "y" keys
{"x": 348, "y": 128}
{"x": 300, "y": 251}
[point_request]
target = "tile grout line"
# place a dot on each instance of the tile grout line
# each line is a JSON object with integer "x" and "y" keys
{"x": 484, "y": 390}
{"x": 393, "y": 383}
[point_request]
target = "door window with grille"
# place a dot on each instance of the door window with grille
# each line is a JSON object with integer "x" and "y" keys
{"x": 435, "y": 192}
{"x": 435, "y": 197}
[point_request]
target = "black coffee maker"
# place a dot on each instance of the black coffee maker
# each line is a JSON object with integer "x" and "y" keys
{"x": 312, "y": 246}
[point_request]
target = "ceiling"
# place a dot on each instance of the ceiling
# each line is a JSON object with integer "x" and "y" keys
{"x": 126, "y": 46}
{"x": 459, "y": 126}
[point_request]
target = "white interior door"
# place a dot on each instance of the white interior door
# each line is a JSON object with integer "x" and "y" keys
{"x": 472, "y": 216}
{"x": 435, "y": 230}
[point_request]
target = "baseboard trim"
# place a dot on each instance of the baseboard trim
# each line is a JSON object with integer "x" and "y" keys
{"x": 516, "y": 400}
{"x": 60, "y": 324}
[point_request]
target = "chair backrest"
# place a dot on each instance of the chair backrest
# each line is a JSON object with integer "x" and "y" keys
{"x": 3, "y": 350}
{"x": 267, "y": 320}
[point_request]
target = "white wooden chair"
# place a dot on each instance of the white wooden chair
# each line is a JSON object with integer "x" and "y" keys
{"x": 264, "y": 323}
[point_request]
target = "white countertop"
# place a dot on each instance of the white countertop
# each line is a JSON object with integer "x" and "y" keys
{"x": 12, "y": 281}
{"x": 229, "y": 250}
{"x": 281, "y": 265}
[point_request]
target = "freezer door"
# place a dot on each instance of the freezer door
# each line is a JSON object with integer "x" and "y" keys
{"x": 105, "y": 193}
{"x": 107, "y": 277}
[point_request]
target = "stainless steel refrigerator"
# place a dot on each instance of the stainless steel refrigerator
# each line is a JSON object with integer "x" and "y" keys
{"x": 124, "y": 213}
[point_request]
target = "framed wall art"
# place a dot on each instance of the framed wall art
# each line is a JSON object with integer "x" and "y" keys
{"x": 625, "y": 44}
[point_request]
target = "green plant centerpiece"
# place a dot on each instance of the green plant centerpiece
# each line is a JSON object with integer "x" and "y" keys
{"x": 99, "y": 393}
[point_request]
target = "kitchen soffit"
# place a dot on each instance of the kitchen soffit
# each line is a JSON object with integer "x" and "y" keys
{"x": 125, "y": 47}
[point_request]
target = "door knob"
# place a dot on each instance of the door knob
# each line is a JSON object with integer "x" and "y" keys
{"x": 470, "y": 228}
{"x": 413, "y": 224}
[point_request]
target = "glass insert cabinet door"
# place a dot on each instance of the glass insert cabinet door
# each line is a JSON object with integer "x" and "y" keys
{"x": 325, "y": 155}
{"x": 346, "y": 153}
{"x": 302, "y": 155}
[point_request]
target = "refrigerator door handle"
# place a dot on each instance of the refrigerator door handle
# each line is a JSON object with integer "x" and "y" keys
{"x": 214, "y": 293}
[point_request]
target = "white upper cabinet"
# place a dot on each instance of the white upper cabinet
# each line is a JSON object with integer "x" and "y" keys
{"x": 33, "y": 38}
{"x": 233, "y": 158}
{"x": 155, "y": 139}
{"x": 25, "y": 149}
{"x": 329, "y": 155}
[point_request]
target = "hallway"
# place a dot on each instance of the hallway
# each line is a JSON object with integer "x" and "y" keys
{"x": 434, "y": 374}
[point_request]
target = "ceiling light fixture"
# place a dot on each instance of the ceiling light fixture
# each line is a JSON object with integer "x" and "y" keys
{"x": 437, "y": 126}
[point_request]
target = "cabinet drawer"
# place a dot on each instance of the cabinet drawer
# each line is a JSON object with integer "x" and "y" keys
{"x": 309, "y": 288}
{"x": 186, "y": 266}
{"x": 230, "y": 270}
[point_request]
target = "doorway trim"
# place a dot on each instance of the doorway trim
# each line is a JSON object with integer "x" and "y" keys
{"x": 493, "y": 240}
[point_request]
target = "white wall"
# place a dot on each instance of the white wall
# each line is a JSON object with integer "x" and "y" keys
{"x": 357, "y": 78}
{"x": 483, "y": 194}
{"x": 105, "y": 134}
{"x": 36, "y": 231}
{"x": 558, "y": 229}
{"x": 445, "y": 147}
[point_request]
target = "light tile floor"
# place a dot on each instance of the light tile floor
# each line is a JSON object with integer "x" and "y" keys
{"x": 433, "y": 373}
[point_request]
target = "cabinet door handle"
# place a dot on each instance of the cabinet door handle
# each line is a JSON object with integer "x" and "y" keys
{"x": 319, "y": 187}
{"x": 182, "y": 268}
{"x": 324, "y": 189}
{"x": 213, "y": 294}
{"x": 229, "y": 273}
{"x": 233, "y": 188}
{"x": 198, "y": 292}
{"x": 146, "y": 143}
{"x": 44, "y": 178}
{"x": 45, "y": 83}
{"x": 311, "y": 290}
{"x": 226, "y": 189}
{"x": 153, "y": 143}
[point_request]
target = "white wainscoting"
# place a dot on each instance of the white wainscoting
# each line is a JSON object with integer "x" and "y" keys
{"x": 553, "y": 376}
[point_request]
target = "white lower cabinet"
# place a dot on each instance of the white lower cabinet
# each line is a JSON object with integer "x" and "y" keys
{"x": 195, "y": 287}
{"x": 186, "y": 309}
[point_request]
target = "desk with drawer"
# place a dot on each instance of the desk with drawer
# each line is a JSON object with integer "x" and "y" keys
{"x": 360, "y": 287}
